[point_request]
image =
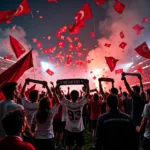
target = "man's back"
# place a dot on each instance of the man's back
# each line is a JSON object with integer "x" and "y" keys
{"x": 127, "y": 104}
{"x": 5, "y": 107}
{"x": 115, "y": 131}
{"x": 14, "y": 143}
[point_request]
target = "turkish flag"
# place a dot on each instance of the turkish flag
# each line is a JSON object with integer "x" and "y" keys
{"x": 7, "y": 15}
{"x": 119, "y": 71}
{"x": 99, "y": 2}
{"x": 17, "y": 48}
{"x": 122, "y": 34}
{"x": 49, "y": 72}
{"x": 138, "y": 29}
{"x": 82, "y": 15}
{"x": 8, "y": 57}
{"x": 119, "y": 7}
{"x": 13, "y": 73}
{"x": 123, "y": 45}
{"x": 143, "y": 50}
{"x": 23, "y": 8}
{"x": 111, "y": 62}
{"x": 29, "y": 90}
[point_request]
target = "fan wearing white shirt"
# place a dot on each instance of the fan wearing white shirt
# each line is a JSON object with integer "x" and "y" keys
{"x": 74, "y": 122}
{"x": 43, "y": 120}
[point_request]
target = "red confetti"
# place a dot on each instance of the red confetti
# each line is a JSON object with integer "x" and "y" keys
{"x": 99, "y": 2}
{"x": 76, "y": 38}
{"x": 34, "y": 40}
{"x": 123, "y": 45}
{"x": 138, "y": 29}
{"x": 39, "y": 44}
{"x": 122, "y": 34}
{"x": 14, "y": 27}
{"x": 89, "y": 61}
{"x": 145, "y": 20}
{"x": 119, "y": 7}
{"x": 69, "y": 39}
{"x": 119, "y": 71}
{"x": 94, "y": 78}
{"x": 49, "y": 72}
{"x": 69, "y": 60}
{"x": 60, "y": 44}
{"x": 107, "y": 45}
{"x": 92, "y": 34}
{"x": 52, "y": 1}
{"x": 41, "y": 17}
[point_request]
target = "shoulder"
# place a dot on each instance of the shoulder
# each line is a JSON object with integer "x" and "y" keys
{"x": 26, "y": 145}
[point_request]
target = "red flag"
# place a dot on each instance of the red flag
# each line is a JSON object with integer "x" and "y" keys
{"x": 29, "y": 90}
{"x": 107, "y": 45}
{"x": 16, "y": 47}
{"x": 111, "y": 62}
{"x": 49, "y": 72}
{"x": 122, "y": 34}
{"x": 94, "y": 78}
{"x": 138, "y": 29}
{"x": 145, "y": 20}
{"x": 119, "y": 71}
{"x": 123, "y": 45}
{"x": 7, "y": 15}
{"x": 52, "y": 1}
{"x": 99, "y": 2}
{"x": 8, "y": 57}
{"x": 13, "y": 73}
{"x": 119, "y": 7}
{"x": 143, "y": 50}
{"x": 23, "y": 8}
{"x": 82, "y": 15}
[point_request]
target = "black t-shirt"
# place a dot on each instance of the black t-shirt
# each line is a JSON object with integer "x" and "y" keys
{"x": 127, "y": 104}
{"x": 138, "y": 106}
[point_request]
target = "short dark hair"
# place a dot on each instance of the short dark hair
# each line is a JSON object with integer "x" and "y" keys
{"x": 137, "y": 89}
{"x": 9, "y": 88}
{"x": 12, "y": 123}
{"x": 125, "y": 94}
{"x": 33, "y": 95}
{"x": 112, "y": 101}
{"x": 114, "y": 91}
{"x": 74, "y": 95}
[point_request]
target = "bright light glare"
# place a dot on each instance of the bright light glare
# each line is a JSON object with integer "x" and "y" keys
{"x": 46, "y": 65}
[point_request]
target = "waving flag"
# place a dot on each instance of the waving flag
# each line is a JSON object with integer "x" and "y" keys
{"x": 111, "y": 62}
{"x": 49, "y": 72}
{"x": 122, "y": 34}
{"x": 16, "y": 47}
{"x": 138, "y": 29}
{"x": 7, "y": 15}
{"x": 13, "y": 73}
{"x": 143, "y": 50}
{"x": 82, "y": 15}
{"x": 23, "y": 8}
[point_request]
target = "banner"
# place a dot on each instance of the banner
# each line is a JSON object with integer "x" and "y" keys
{"x": 72, "y": 82}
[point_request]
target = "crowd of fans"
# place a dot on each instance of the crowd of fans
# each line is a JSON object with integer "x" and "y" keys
{"x": 52, "y": 120}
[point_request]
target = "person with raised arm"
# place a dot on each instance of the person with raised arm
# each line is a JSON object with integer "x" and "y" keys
{"x": 74, "y": 121}
{"x": 43, "y": 120}
{"x": 138, "y": 102}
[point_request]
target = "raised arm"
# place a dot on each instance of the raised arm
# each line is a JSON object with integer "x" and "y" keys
{"x": 126, "y": 84}
{"x": 54, "y": 93}
{"x": 24, "y": 87}
{"x": 87, "y": 91}
{"x": 101, "y": 90}
{"x": 47, "y": 88}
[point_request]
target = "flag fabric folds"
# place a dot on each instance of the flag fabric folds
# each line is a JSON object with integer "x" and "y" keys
{"x": 143, "y": 50}
{"x": 111, "y": 62}
{"x": 13, "y": 73}
{"x": 17, "y": 48}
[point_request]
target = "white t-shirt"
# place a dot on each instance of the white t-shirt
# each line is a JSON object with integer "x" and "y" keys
{"x": 30, "y": 108}
{"x": 5, "y": 107}
{"x": 45, "y": 130}
{"x": 74, "y": 121}
{"x": 146, "y": 114}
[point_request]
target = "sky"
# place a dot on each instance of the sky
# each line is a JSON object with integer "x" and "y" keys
{"x": 106, "y": 23}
